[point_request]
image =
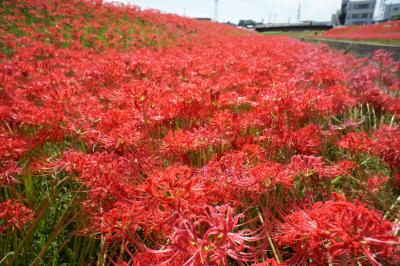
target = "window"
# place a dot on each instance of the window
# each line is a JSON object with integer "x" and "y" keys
{"x": 365, "y": 15}
{"x": 354, "y": 16}
{"x": 362, "y": 6}
{"x": 396, "y": 8}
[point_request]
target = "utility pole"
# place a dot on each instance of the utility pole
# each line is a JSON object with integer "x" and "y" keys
{"x": 299, "y": 13}
{"x": 216, "y": 10}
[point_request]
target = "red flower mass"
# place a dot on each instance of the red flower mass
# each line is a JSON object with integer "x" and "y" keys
{"x": 383, "y": 31}
{"x": 182, "y": 136}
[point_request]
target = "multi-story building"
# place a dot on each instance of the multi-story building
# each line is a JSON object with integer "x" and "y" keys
{"x": 335, "y": 20}
{"x": 390, "y": 11}
{"x": 360, "y": 12}
{"x": 342, "y": 12}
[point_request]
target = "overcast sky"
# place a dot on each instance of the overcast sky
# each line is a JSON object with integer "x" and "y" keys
{"x": 233, "y": 10}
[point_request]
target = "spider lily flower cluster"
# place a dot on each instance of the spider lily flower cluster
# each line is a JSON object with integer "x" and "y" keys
{"x": 183, "y": 142}
{"x": 382, "y": 31}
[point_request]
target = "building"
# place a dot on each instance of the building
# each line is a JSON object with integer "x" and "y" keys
{"x": 336, "y": 19}
{"x": 354, "y": 12}
{"x": 390, "y": 11}
{"x": 343, "y": 12}
{"x": 360, "y": 12}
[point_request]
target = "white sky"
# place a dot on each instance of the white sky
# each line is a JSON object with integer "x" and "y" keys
{"x": 234, "y": 10}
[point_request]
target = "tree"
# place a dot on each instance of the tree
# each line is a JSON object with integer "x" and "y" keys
{"x": 246, "y": 23}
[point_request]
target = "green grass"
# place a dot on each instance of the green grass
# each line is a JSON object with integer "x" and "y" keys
{"x": 295, "y": 34}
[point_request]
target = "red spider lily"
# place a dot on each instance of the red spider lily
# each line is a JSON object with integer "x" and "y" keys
{"x": 8, "y": 171}
{"x": 394, "y": 107}
{"x": 389, "y": 69}
{"x": 308, "y": 166}
{"x": 14, "y": 214}
{"x": 176, "y": 189}
{"x": 269, "y": 262}
{"x": 387, "y": 145}
{"x": 179, "y": 143}
{"x": 386, "y": 31}
{"x": 356, "y": 142}
{"x": 209, "y": 238}
{"x": 349, "y": 124}
{"x": 307, "y": 140}
{"x": 374, "y": 183}
{"x": 338, "y": 231}
{"x": 13, "y": 147}
{"x": 161, "y": 118}
{"x": 240, "y": 177}
{"x": 270, "y": 174}
{"x": 98, "y": 171}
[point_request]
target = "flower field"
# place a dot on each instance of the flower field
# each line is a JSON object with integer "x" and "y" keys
{"x": 382, "y": 31}
{"x": 131, "y": 137}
